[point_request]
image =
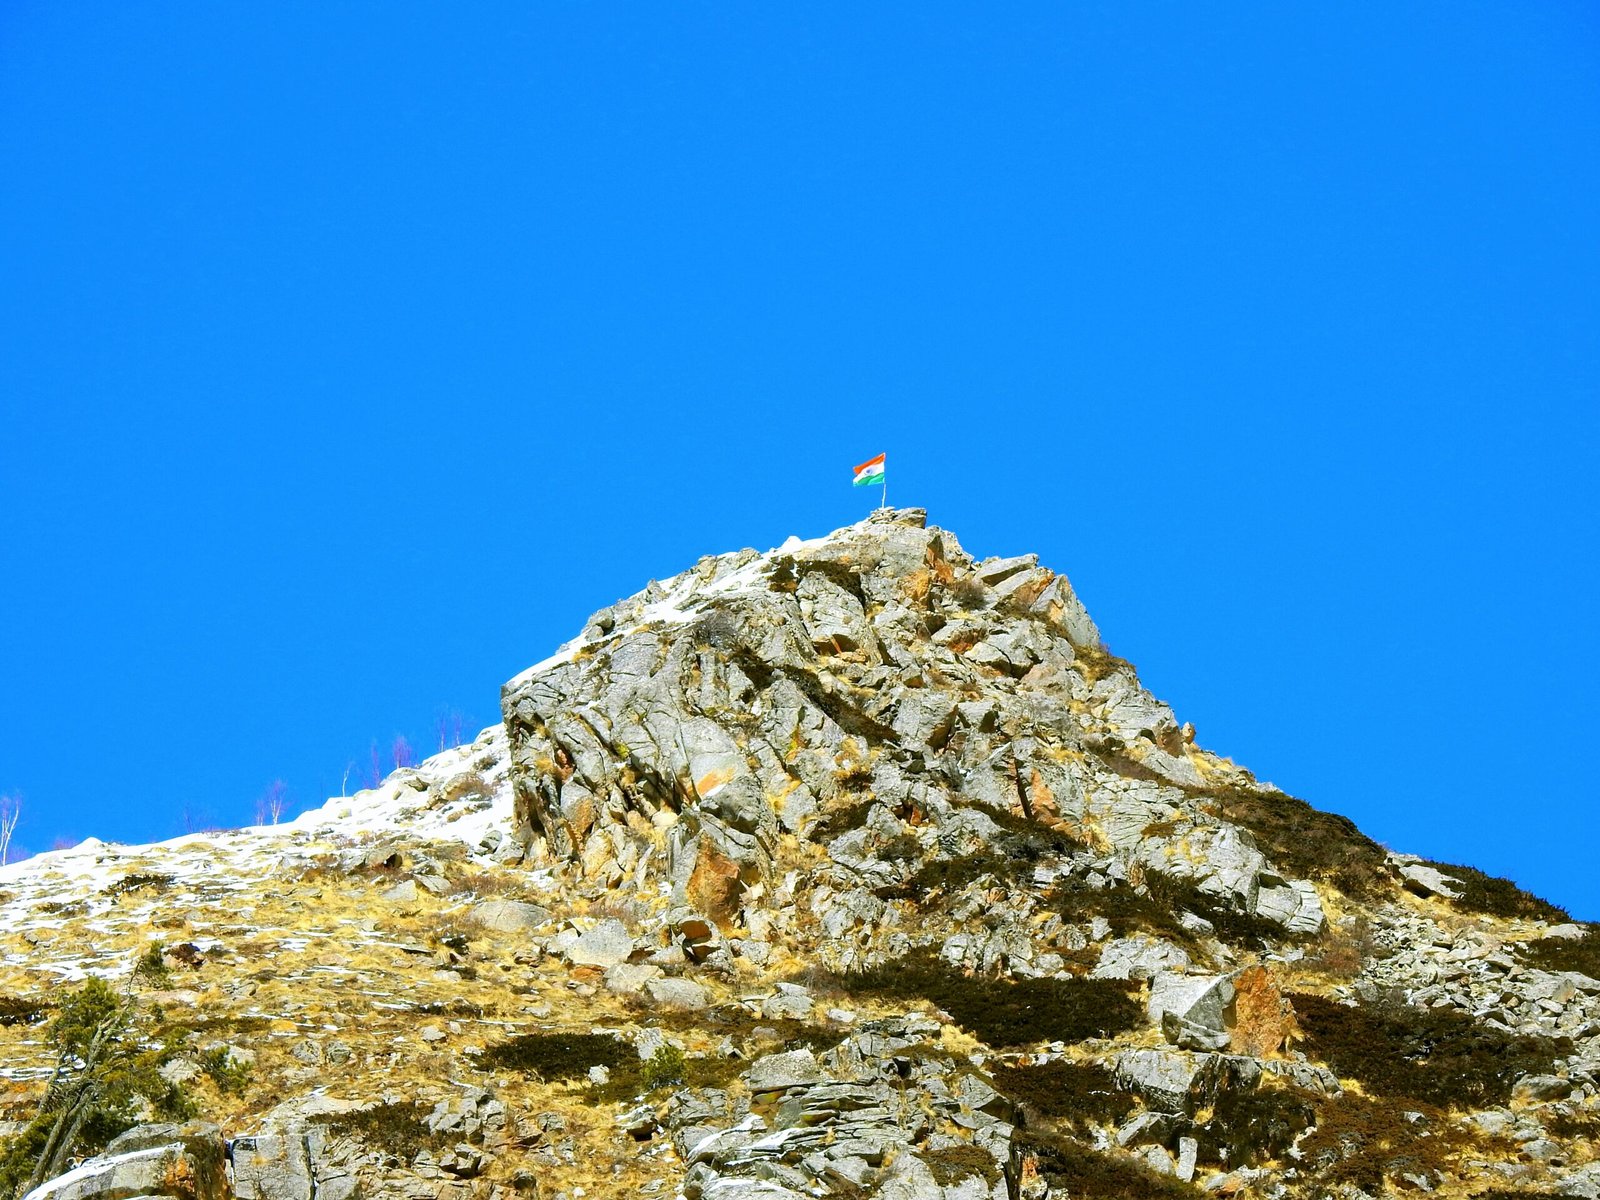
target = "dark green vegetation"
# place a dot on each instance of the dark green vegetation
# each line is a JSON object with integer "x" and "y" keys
{"x": 1497, "y": 897}
{"x": 1080, "y": 1171}
{"x": 398, "y": 1129}
{"x": 455, "y": 1008}
{"x": 1432, "y": 1055}
{"x": 1374, "y": 1145}
{"x": 1004, "y": 1012}
{"x": 955, "y": 1163}
{"x": 152, "y": 967}
{"x": 1573, "y": 1125}
{"x": 140, "y": 881}
{"x": 1155, "y": 910}
{"x": 1566, "y": 954}
{"x": 16, "y": 1011}
{"x": 1009, "y": 860}
{"x": 1305, "y": 841}
{"x": 569, "y": 1056}
{"x": 105, "y": 1071}
{"x": 1071, "y": 1092}
{"x": 667, "y": 1067}
{"x": 741, "y": 1025}
{"x": 553, "y": 1056}
{"x": 1252, "y": 1125}
{"x": 229, "y": 1076}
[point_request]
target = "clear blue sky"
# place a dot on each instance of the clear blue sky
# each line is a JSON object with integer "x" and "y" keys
{"x": 350, "y": 355}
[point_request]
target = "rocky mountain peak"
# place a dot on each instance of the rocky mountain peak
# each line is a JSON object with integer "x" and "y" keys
{"x": 855, "y": 868}
{"x": 880, "y": 671}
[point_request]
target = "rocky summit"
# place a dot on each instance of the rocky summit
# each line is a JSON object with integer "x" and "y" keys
{"x": 857, "y": 868}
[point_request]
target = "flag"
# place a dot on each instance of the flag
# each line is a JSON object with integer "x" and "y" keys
{"x": 870, "y": 471}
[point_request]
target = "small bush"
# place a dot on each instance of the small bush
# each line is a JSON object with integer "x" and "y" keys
{"x": 665, "y": 1068}
{"x": 1574, "y": 1125}
{"x": 1005, "y": 1012}
{"x": 1342, "y": 952}
{"x": 1481, "y": 893}
{"x": 1073, "y": 1092}
{"x": 841, "y": 820}
{"x": 955, "y": 1163}
{"x": 1233, "y": 927}
{"x": 1252, "y": 1126}
{"x": 14, "y": 1011}
{"x": 397, "y": 1129}
{"x": 1305, "y": 841}
{"x": 553, "y": 1056}
{"x": 230, "y": 1077}
{"x": 1097, "y": 662}
{"x": 106, "y": 1079}
{"x": 1080, "y": 1171}
{"x": 1371, "y": 1144}
{"x": 1433, "y": 1055}
{"x": 455, "y": 1008}
{"x": 151, "y": 967}
{"x": 140, "y": 881}
{"x": 1581, "y": 955}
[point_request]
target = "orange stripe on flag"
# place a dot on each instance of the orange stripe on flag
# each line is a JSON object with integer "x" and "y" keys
{"x": 872, "y": 462}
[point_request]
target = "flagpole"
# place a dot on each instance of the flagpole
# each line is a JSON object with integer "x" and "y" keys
{"x": 885, "y": 502}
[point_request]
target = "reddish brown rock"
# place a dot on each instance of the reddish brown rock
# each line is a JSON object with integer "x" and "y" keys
{"x": 713, "y": 887}
{"x": 1261, "y": 1018}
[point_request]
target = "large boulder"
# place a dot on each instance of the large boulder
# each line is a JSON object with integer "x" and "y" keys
{"x": 180, "y": 1161}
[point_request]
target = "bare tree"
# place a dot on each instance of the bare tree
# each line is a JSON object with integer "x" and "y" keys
{"x": 404, "y": 756}
{"x": 10, "y": 814}
{"x": 269, "y": 808}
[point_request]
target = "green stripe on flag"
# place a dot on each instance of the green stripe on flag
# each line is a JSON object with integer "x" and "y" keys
{"x": 866, "y": 479}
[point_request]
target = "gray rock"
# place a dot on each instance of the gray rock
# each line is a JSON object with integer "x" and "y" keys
{"x": 777, "y": 1072}
{"x": 791, "y": 1002}
{"x": 1188, "y": 1156}
{"x": 1165, "y": 1078}
{"x": 1427, "y": 881}
{"x": 115, "y": 1176}
{"x": 1139, "y": 957}
{"x": 1569, "y": 931}
{"x": 404, "y": 892}
{"x": 606, "y": 945}
{"x": 148, "y": 1160}
{"x": 680, "y": 995}
{"x": 271, "y": 1166}
{"x": 627, "y": 979}
{"x": 1200, "y": 999}
{"x": 509, "y": 916}
{"x": 1541, "y": 1087}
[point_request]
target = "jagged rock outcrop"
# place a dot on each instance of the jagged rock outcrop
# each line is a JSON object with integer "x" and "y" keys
{"x": 686, "y": 729}
{"x": 855, "y": 868}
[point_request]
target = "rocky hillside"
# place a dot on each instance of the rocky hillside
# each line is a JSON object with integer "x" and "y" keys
{"x": 857, "y": 868}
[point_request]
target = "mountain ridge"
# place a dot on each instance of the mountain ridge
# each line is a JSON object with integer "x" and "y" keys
{"x": 855, "y": 867}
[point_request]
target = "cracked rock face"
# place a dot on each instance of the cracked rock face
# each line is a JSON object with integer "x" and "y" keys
{"x": 690, "y": 726}
{"x": 857, "y": 868}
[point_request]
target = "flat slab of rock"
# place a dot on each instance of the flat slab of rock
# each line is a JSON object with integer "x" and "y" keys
{"x": 509, "y": 916}
{"x": 606, "y": 945}
{"x": 681, "y": 995}
{"x": 779, "y": 1072}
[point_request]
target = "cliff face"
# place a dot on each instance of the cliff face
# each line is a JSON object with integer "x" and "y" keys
{"x": 858, "y": 867}
{"x": 879, "y": 674}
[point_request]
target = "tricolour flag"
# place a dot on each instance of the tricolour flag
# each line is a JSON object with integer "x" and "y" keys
{"x": 870, "y": 471}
